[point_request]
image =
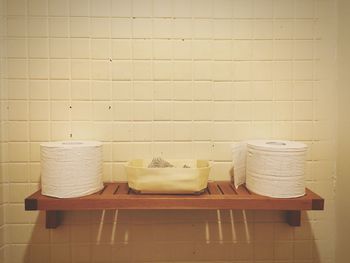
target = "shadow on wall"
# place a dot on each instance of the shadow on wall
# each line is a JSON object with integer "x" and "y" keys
{"x": 170, "y": 236}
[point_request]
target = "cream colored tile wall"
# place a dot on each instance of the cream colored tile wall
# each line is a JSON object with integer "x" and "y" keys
{"x": 343, "y": 166}
{"x": 180, "y": 79}
{"x": 3, "y": 116}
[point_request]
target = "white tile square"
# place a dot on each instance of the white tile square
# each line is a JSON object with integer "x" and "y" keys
{"x": 59, "y": 69}
{"x": 38, "y": 68}
{"x": 182, "y": 131}
{"x": 222, "y": 29}
{"x": 102, "y": 111}
{"x": 222, "y": 49}
{"x": 243, "y": 111}
{"x": 39, "y": 110}
{"x": 82, "y": 110}
{"x": 142, "y": 131}
{"x": 142, "y": 49}
{"x": 182, "y": 70}
{"x": 121, "y": 28}
{"x": 59, "y": 48}
{"x": 38, "y": 48}
{"x": 81, "y": 90}
{"x": 222, "y": 70}
{"x": 162, "y": 8}
{"x": 58, "y": 26}
{"x": 37, "y": 7}
{"x": 59, "y": 89}
{"x": 182, "y": 90}
{"x": 100, "y": 8}
{"x": 16, "y": 48}
{"x": 222, "y": 9}
{"x": 182, "y": 50}
{"x": 143, "y": 90}
{"x": 16, "y": 26}
{"x": 203, "y": 28}
{"x": 203, "y": 111}
{"x": 39, "y": 131}
{"x": 242, "y": 29}
{"x": 263, "y": 50}
{"x": 162, "y": 131}
{"x": 60, "y": 111}
{"x": 80, "y": 47}
{"x": 243, "y": 8}
{"x": 37, "y": 27}
{"x": 222, "y": 91}
{"x": 203, "y": 130}
{"x": 182, "y": 111}
{"x": 100, "y": 69}
{"x": 122, "y": 131}
{"x": 162, "y": 49}
{"x": 202, "y": 8}
{"x": 162, "y": 70}
{"x": 79, "y": 7}
{"x": 142, "y": 8}
{"x": 17, "y": 89}
{"x": 203, "y": 90}
{"x": 203, "y": 70}
{"x": 242, "y": 90}
{"x": 121, "y": 8}
{"x": 121, "y": 49}
{"x": 80, "y": 69}
{"x": 123, "y": 111}
{"x": 122, "y": 70}
{"x": 143, "y": 111}
{"x": 100, "y": 27}
{"x": 39, "y": 89}
{"x": 58, "y": 7}
{"x": 182, "y": 28}
{"x": 18, "y": 131}
{"x": 162, "y": 28}
{"x": 182, "y": 8}
{"x": 122, "y": 90}
{"x": 242, "y": 49}
{"x": 223, "y": 131}
{"x": 17, "y": 68}
{"x": 223, "y": 111}
{"x": 263, "y": 90}
{"x": 80, "y": 27}
{"x": 263, "y": 8}
{"x": 100, "y": 49}
{"x": 162, "y": 111}
{"x": 202, "y": 49}
{"x": 263, "y": 29}
{"x": 16, "y": 7}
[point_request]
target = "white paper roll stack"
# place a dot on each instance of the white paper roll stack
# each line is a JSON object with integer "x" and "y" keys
{"x": 71, "y": 168}
{"x": 273, "y": 168}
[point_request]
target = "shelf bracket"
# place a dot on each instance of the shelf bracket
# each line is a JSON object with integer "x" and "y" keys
{"x": 53, "y": 219}
{"x": 293, "y": 217}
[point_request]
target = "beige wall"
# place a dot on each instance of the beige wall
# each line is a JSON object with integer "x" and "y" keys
{"x": 3, "y": 102}
{"x": 343, "y": 165}
{"x": 174, "y": 78}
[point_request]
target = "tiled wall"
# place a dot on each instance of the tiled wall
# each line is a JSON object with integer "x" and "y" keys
{"x": 343, "y": 165}
{"x": 3, "y": 125}
{"x": 180, "y": 79}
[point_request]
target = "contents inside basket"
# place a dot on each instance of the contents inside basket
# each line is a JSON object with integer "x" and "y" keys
{"x": 159, "y": 176}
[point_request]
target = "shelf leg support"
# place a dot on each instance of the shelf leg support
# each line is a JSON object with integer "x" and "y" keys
{"x": 294, "y": 217}
{"x": 53, "y": 219}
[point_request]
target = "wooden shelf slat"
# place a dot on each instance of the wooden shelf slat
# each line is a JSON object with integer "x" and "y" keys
{"x": 226, "y": 188}
{"x": 218, "y": 195}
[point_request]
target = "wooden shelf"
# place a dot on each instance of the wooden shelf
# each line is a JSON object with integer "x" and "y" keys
{"x": 218, "y": 195}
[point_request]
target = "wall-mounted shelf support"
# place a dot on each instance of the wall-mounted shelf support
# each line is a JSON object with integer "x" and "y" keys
{"x": 218, "y": 195}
